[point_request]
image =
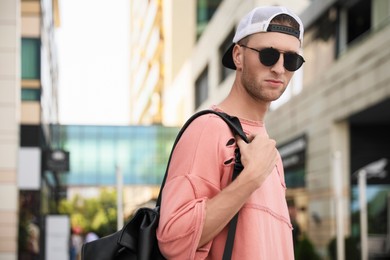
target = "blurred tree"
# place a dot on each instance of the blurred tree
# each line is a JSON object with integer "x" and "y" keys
{"x": 351, "y": 248}
{"x": 305, "y": 250}
{"x": 98, "y": 215}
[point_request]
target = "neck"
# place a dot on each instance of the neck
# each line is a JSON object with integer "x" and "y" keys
{"x": 238, "y": 103}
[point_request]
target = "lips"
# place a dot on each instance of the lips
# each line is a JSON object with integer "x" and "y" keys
{"x": 275, "y": 82}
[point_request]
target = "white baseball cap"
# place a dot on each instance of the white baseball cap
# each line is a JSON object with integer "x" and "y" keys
{"x": 258, "y": 20}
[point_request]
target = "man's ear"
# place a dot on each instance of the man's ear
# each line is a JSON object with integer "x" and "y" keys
{"x": 238, "y": 56}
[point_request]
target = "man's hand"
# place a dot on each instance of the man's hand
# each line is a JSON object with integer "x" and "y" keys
{"x": 258, "y": 157}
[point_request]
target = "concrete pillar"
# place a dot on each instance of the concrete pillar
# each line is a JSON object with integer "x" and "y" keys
{"x": 9, "y": 125}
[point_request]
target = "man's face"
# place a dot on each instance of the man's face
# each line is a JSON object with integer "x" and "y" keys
{"x": 266, "y": 83}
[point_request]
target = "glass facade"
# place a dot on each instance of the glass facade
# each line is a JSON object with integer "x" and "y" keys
{"x": 140, "y": 152}
{"x": 31, "y": 58}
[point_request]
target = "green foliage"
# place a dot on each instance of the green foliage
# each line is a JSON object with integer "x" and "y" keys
{"x": 98, "y": 215}
{"x": 305, "y": 250}
{"x": 351, "y": 248}
{"x": 23, "y": 232}
{"x": 377, "y": 213}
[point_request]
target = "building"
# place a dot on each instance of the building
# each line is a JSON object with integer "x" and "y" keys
{"x": 146, "y": 61}
{"x": 333, "y": 118}
{"x": 28, "y": 85}
{"x": 162, "y": 35}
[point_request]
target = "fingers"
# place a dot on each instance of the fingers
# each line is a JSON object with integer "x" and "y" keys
{"x": 251, "y": 138}
{"x": 239, "y": 141}
{"x": 257, "y": 142}
{"x": 258, "y": 157}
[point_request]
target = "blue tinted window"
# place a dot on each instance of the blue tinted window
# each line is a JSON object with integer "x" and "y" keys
{"x": 141, "y": 152}
{"x": 31, "y": 52}
{"x": 31, "y": 94}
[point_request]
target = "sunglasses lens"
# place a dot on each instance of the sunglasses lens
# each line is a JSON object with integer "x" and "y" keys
{"x": 269, "y": 56}
{"x": 292, "y": 61}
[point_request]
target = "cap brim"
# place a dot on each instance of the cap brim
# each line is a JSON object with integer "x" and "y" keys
{"x": 227, "y": 59}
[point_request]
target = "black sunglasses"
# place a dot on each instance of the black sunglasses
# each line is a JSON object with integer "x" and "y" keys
{"x": 270, "y": 56}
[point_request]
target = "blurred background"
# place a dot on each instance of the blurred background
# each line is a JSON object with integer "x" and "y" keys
{"x": 93, "y": 93}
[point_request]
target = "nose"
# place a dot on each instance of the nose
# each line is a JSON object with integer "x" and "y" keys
{"x": 278, "y": 67}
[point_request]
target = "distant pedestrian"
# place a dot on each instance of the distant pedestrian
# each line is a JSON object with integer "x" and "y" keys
{"x": 33, "y": 238}
{"x": 90, "y": 236}
{"x": 76, "y": 242}
{"x": 199, "y": 198}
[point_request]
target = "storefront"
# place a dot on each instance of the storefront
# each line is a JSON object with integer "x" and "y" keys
{"x": 370, "y": 154}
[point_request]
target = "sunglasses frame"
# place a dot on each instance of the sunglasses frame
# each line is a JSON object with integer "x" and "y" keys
{"x": 299, "y": 59}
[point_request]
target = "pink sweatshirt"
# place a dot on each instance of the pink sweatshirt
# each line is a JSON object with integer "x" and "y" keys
{"x": 201, "y": 166}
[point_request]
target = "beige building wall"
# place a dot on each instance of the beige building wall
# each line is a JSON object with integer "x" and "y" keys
{"x": 9, "y": 125}
{"x": 179, "y": 23}
{"x": 358, "y": 80}
{"x": 179, "y": 39}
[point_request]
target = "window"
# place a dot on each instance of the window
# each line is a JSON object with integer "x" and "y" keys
{"x": 354, "y": 21}
{"x": 359, "y": 19}
{"x": 201, "y": 88}
{"x": 31, "y": 94}
{"x": 225, "y": 72}
{"x": 204, "y": 11}
{"x": 30, "y": 136}
{"x": 294, "y": 161}
{"x": 31, "y": 58}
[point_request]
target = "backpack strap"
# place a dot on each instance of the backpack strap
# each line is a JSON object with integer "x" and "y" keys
{"x": 235, "y": 126}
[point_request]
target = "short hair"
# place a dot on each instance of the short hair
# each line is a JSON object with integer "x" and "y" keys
{"x": 281, "y": 19}
{"x": 285, "y": 19}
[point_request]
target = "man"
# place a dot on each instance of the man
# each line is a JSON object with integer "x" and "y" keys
{"x": 199, "y": 198}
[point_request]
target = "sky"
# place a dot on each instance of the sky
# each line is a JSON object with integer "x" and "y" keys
{"x": 93, "y": 57}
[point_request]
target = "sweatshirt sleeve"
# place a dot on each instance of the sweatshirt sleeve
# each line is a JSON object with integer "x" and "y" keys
{"x": 196, "y": 173}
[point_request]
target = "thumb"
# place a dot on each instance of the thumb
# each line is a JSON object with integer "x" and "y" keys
{"x": 249, "y": 138}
